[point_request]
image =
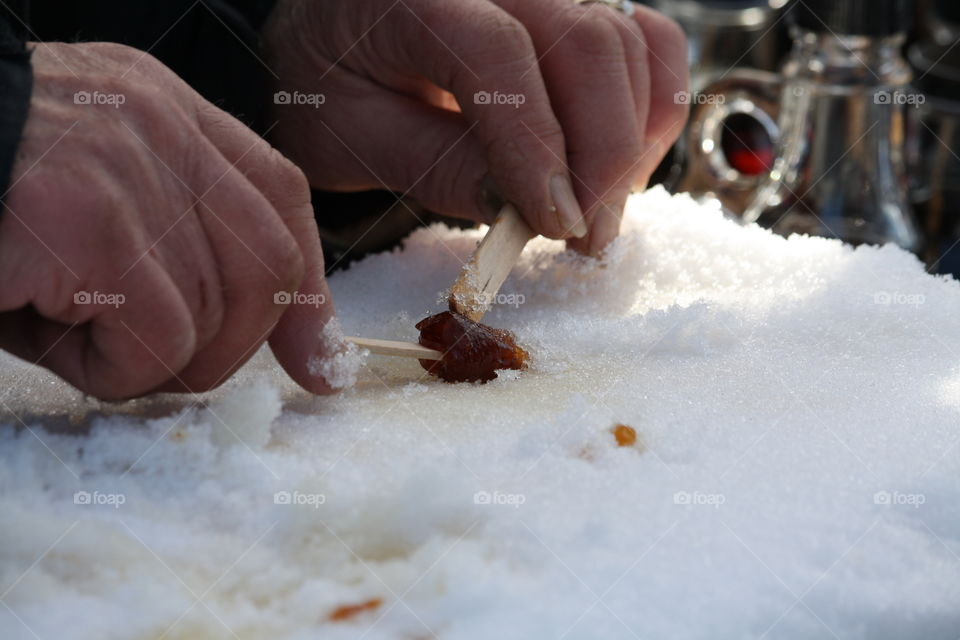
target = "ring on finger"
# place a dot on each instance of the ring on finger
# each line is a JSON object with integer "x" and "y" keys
{"x": 624, "y": 6}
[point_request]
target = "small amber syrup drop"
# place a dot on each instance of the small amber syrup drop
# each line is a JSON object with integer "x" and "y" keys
{"x": 349, "y": 611}
{"x": 471, "y": 351}
{"x": 626, "y": 436}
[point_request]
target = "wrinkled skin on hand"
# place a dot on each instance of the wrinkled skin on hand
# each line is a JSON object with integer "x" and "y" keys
{"x": 145, "y": 236}
{"x": 556, "y": 107}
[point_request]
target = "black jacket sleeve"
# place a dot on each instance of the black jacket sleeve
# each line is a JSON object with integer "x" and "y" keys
{"x": 16, "y": 86}
{"x": 213, "y": 45}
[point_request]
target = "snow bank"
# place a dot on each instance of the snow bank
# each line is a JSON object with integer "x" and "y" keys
{"x": 797, "y": 405}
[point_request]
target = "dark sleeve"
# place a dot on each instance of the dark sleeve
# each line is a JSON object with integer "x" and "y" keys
{"x": 16, "y": 85}
{"x": 213, "y": 45}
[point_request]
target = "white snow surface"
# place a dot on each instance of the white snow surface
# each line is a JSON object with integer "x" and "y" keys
{"x": 798, "y": 404}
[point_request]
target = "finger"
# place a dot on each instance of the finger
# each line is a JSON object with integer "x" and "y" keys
{"x": 605, "y": 224}
{"x": 113, "y": 342}
{"x": 669, "y": 75}
{"x": 256, "y": 255}
{"x": 485, "y": 57}
{"x": 298, "y": 340}
{"x": 298, "y": 336}
{"x": 110, "y": 337}
{"x": 175, "y": 234}
{"x": 401, "y": 144}
{"x": 599, "y": 87}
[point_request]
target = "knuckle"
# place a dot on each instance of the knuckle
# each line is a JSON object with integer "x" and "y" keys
{"x": 115, "y": 376}
{"x": 449, "y": 179}
{"x": 667, "y": 39}
{"x": 594, "y": 37}
{"x": 539, "y": 141}
{"x": 496, "y": 39}
{"x": 114, "y": 51}
{"x": 125, "y": 59}
{"x": 506, "y": 32}
{"x": 431, "y": 14}
{"x": 478, "y": 33}
{"x": 674, "y": 33}
{"x": 288, "y": 182}
{"x": 207, "y": 304}
{"x": 142, "y": 98}
{"x": 161, "y": 139}
{"x": 145, "y": 63}
{"x": 103, "y": 200}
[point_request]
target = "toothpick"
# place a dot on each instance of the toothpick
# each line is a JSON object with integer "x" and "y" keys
{"x": 395, "y": 348}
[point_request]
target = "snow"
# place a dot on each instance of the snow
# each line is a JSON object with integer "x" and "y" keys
{"x": 339, "y": 370}
{"x": 797, "y": 406}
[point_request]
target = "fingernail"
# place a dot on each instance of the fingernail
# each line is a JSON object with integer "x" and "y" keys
{"x": 568, "y": 209}
{"x": 606, "y": 226}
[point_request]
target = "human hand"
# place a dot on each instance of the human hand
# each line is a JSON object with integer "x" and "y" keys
{"x": 146, "y": 234}
{"x": 558, "y": 108}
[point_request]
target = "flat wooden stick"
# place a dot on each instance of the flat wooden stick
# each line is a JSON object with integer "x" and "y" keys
{"x": 476, "y": 289}
{"x": 395, "y": 348}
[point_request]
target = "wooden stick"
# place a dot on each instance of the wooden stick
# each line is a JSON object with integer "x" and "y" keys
{"x": 476, "y": 288}
{"x": 395, "y": 348}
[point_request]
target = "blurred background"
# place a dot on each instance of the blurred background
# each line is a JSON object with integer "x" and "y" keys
{"x": 835, "y": 118}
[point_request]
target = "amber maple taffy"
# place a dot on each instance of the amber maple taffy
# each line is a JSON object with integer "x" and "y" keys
{"x": 453, "y": 344}
{"x": 625, "y": 436}
{"x": 471, "y": 351}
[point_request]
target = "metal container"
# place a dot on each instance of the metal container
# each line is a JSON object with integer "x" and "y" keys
{"x": 723, "y": 35}
{"x": 936, "y": 166}
{"x": 838, "y": 167}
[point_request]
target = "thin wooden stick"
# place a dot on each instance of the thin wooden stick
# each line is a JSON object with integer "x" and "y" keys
{"x": 395, "y": 348}
{"x": 476, "y": 289}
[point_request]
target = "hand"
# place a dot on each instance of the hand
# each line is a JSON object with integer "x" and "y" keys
{"x": 469, "y": 103}
{"x": 147, "y": 232}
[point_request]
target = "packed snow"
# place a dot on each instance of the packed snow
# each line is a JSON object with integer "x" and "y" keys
{"x": 796, "y": 473}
